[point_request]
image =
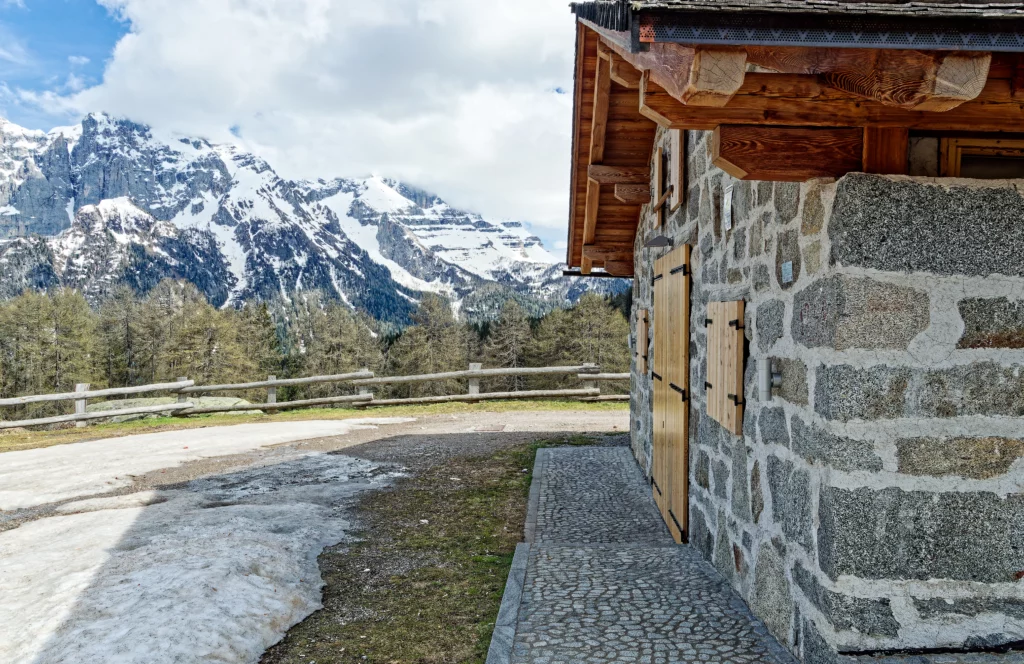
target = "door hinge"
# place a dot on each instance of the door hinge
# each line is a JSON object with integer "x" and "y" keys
{"x": 708, "y": 322}
{"x": 736, "y": 324}
{"x": 708, "y": 386}
{"x": 654, "y": 375}
{"x": 736, "y": 400}
{"x": 682, "y": 268}
{"x": 676, "y": 521}
{"x": 655, "y": 485}
{"x": 680, "y": 391}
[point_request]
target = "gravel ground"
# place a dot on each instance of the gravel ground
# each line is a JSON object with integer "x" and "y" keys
{"x": 415, "y": 444}
{"x": 415, "y": 447}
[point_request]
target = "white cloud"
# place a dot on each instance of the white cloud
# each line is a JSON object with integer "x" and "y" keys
{"x": 78, "y": 60}
{"x": 454, "y": 95}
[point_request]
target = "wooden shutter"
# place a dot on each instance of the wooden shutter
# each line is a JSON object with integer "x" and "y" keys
{"x": 724, "y": 382}
{"x": 642, "y": 341}
{"x": 677, "y": 168}
{"x": 659, "y": 187}
{"x": 671, "y": 391}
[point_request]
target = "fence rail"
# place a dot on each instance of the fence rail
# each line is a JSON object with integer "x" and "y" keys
{"x": 275, "y": 382}
{"x": 99, "y": 394}
{"x": 182, "y": 388}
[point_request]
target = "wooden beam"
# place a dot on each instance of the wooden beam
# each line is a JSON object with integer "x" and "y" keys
{"x": 618, "y": 174}
{"x": 786, "y": 154}
{"x": 624, "y": 73}
{"x": 959, "y": 77}
{"x": 590, "y": 220}
{"x": 707, "y": 76}
{"x": 620, "y": 253}
{"x": 1017, "y": 78}
{"x": 885, "y": 150}
{"x": 619, "y": 268}
{"x": 715, "y": 76}
{"x": 634, "y": 194}
{"x": 801, "y": 100}
{"x": 602, "y": 93}
{"x": 921, "y": 80}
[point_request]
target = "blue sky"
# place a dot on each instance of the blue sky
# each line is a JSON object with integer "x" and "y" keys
{"x": 460, "y": 97}
{"x": 49, "y": 44}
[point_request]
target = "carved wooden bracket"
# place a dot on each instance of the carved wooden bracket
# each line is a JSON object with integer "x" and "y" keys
{"x": 916, "y": 80}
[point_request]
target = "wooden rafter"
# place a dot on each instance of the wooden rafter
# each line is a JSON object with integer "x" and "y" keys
{"x": 921, "y": 80}
{"x": 619, "y": 174}
{"x": 598, "y": 132}
{"x": 623, "y": 72}
{"x": 634, "y": 194}
{"x": 786, "y": 153}
{"x": 695, "y": 76}
{"x": 805, "y": 100}
{"x": 605, "y": 253}
{"x": 590, "y": 220}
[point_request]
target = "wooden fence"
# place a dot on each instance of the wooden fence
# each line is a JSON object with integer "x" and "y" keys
{"x": 589, "y": 374}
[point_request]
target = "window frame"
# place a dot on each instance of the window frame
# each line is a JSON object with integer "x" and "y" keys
{"x": 952, "y": 150}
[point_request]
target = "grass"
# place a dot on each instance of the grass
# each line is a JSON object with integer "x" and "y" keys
{"x": 424, "y": 583}
{"x": 22, "y": 439}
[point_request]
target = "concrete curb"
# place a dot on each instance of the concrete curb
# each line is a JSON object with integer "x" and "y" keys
{"x": 500, "y": 651}
{"x": 533, "y": 503}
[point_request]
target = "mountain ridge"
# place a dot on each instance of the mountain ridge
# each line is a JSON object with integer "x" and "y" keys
{"x": 110, "y": 202}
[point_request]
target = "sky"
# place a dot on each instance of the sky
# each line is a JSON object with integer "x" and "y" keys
{"x": 466, "y": 98}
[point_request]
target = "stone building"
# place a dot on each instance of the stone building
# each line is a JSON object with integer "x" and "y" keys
{"x": 859, "y": 199}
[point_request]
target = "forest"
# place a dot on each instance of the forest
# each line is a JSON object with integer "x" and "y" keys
{"x": 50, "y": 342}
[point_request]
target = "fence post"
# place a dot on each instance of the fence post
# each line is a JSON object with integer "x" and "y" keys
{"x": 80, "y": 404}
{"x": 474, "y": 383}
{"x": 271, "y": 395}
{"x": 589, "y": 384}
{"x": 182, "y": 398}
{"x": 363, "y": 390}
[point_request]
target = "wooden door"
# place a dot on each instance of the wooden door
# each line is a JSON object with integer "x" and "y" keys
{"x": 659, "y": 462}
{"x": 672, "y": 389}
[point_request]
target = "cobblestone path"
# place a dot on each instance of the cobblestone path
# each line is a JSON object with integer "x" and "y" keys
{"x": 604, "y": 582}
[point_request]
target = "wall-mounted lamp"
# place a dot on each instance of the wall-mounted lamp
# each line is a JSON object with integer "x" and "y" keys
{"x": 767, "y": 378}
{"x": 659, "y": 241}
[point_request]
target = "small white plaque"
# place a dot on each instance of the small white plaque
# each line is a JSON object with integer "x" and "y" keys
{"x": 787, "y": 272}
{"x": 727, "y": 208}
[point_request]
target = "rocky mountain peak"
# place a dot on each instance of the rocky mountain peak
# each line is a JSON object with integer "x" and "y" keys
{"x": 113, "y": 202}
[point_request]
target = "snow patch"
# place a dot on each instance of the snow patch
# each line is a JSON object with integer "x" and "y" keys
{"x": 215, "y": 572}
{"x": 36, "y": 477}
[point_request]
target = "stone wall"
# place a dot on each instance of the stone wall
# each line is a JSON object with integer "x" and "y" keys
{"x": 875, "y": 502}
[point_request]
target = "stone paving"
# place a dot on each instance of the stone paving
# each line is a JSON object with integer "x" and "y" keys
{"x": 604, "y": 581}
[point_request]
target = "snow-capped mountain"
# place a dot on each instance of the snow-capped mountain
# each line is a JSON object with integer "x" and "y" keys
{"x": 109, "y": 202}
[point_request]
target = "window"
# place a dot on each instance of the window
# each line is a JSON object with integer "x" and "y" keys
{"x": 982, "y": 158}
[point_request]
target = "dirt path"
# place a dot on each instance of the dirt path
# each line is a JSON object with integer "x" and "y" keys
{"x": 213, "y": 558}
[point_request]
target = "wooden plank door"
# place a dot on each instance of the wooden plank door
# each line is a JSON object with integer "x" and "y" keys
{"x": 659, "y": 464}
{"x": 678, "y": 397}
{"x": 670, "y": 476}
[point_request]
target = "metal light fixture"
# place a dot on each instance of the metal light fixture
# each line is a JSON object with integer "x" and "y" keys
{"x": 659, "y": 241}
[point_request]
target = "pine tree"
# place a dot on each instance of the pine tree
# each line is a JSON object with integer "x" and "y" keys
{"x": 72, "y": 326}
{"x": 506, "y": 346}
{"x": 436, "y": 343}
{"x": 258, "y": 338}
{"x": 119, "y": 339}
{"x": 592, "y": 331}
{"x": 339, "y": 341}
{"x": 24, "y": 339}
